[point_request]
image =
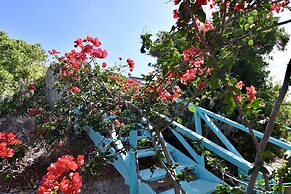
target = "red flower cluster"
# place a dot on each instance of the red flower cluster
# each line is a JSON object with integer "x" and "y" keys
{"x": 61, "y": 176}
{"x": 131, "y": 64}
{"x": 191, "y": 53}
{"x": 75, "y": 89}
{"x": 238, "y": 7}
{"x": 204, "y": 27}
{"x": 104, "y": 64}
{"x": 278, "y": 7}
{"x": 53, "y": 52}
{"x": 36, "y": 111}
{"x": 240, "y": 85}
{"x": 201, "y": 2}
{"x": 251, "y": 92}
{"x": 31, "y": 87}
{"x": 75, "y": 59}
{"x": 117, "y": 122}
{"x": 7, "y": 139}
{"x": 207, "y": 26}
{"x": 130, "y": 85}
{"x": 193, "y": 56}
{"x": 166, "y": 95}
{"x": 175, "y": 14}
{"x": 176, "y": 2}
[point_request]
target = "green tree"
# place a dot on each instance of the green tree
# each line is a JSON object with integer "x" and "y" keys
{"x": 19, "y": 61}
{"x": 250, "y": 65}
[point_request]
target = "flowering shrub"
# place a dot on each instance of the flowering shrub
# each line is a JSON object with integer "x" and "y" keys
{"x": 62, "y": 176}
{"x": 8, "y": 139}
{"x": 91, "y": 91}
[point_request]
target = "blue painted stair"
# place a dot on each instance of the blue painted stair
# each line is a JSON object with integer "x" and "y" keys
{"x": 204, "y": 182}
{"x": 125, "y": 164}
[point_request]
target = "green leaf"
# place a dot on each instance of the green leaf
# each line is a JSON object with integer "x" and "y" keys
{"x": 257, "y": 103}
{"x": 251, "y": 42}
{"x": 201, "y": 15}
{"x": 228, "y": 61}
{"x": 252, "y": 25}
{"x": 179, "y": 120}
{"x": 232, "y": 82}
{"x": 142, "y": 49}
{"x": 192, "y": 109}
{"x": 251, "y": 19}
{"x": 143, "y": 141}
{"x": 236, "y": 190}
{"x": 247, "y": 26}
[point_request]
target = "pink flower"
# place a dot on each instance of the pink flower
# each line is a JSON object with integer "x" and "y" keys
{"x": 175, "y": 14}
{"x": 201, "y": 2}
{"x": 80, "y": 160}
{"x": 31, "y": 87}
{"x": 104, "y": 64}
{"x": 130, "y": 63}
{"x": 36, "y": 111}
{"x": 239, "y": 85}
{"x": 238, "y": 7}
{"x": 239, "y": 98}
{"x": 176, "y": 2}
{"x": 251, "y": 92}
{"x": 75, "y": 89}
{"x": 53, "y": 52}
{"x": 78, "y": 42}
{"x": 203, "y": 85}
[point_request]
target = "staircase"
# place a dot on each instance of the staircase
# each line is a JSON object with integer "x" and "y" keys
{"x": 149, "y": 180}
{"x": 156, "y": 182}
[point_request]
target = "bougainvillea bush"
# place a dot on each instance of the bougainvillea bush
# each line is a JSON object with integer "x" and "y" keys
{"x": 92, "y": 93}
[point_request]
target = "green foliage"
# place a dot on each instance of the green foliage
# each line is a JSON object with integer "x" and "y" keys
{"x": 19, "y": 60}
{"x": 24, "y": 99}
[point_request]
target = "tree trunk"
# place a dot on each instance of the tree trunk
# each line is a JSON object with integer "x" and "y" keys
{"x": 270, "y": 126}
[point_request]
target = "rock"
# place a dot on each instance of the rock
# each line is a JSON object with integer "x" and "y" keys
{"x": 21, "y": 126}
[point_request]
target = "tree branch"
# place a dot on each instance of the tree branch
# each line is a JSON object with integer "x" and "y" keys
{"x": 271, "y": 123}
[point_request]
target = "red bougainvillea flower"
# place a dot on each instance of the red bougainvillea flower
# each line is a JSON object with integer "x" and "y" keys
{"x": 239, "y": 98}
{"x": 104, "y": 64}
{"x": 279, "y": 6}
{"x": 176, "y": 2}
{"x": 207, "y": 26}
{"x": 7, "y": 139}
{"x": 75, "y": 89}
{"x": 251, "y": 92}
{"x": 130, "y": 63}
{"x": 201, "y": 2}
{"x": 239, "y": 85}
{"x": 36, "y": 111}
{"x": 78, "y": 42}
{"x": 117, "y": 122}
{"x": 53, "y": 52}
{"x": 80, "y": 160}
{"x": 31, "y": 87}
{"x": 61, "y": 176}
{"x": 202, "y": 85}
{"x": 94, "y": 41}
{"x": 175, "y": 14}
{"x": 238, "y": 7}
{"x": 99, "y": 53}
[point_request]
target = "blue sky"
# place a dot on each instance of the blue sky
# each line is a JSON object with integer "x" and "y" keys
{"x": 118, "y": 24}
